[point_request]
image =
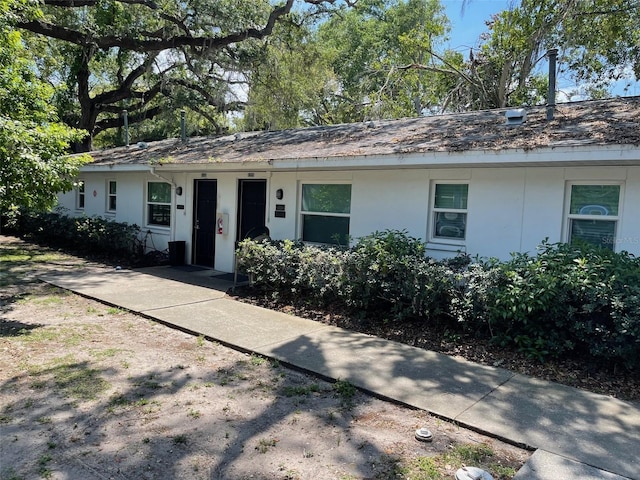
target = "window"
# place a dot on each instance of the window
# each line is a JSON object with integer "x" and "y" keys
{"x": 593, "y": 214}
{"x": 159, "y": 204}
{"x": 325, "y": 211}
{"x": 450, "y": 210}
{"x": 80, "y": 194}
{"x": 111, "y": 196}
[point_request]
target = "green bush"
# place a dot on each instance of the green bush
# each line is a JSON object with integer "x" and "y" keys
{"x": 84, "y": 234}
{"x": 385, "y": 272}
{"x": 289, "y": 268}
{"x": 388, "y": 272}
{"x": 567, "y": 300}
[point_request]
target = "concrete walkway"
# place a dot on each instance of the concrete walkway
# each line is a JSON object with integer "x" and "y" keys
{"x": 576, "y": 434}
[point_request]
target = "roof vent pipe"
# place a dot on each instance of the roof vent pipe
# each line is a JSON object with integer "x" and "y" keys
{"x": 183, "y": 126}
{"x": 125, "y": 122}
{"x": 552, "y": 54}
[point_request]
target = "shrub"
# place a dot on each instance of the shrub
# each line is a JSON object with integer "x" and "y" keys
{"x": 374, "y": 267}
{"x": 292, "y": 268}
{"x": 83, "y": 234}
{"x": 567, "y": 300}
{"x": 388, "y": 272}
{"x": 385, "y": 272}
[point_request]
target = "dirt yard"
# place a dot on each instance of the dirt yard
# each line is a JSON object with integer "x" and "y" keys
{"x": 88, "y": 391}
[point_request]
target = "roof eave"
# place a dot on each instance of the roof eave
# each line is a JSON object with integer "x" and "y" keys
{"x": 547, "y": 156}
{"x": 583, "y": 155}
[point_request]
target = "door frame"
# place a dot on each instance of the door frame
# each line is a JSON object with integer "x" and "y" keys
{"x": 194, "y": 220}
{"x": 240, "y": 213}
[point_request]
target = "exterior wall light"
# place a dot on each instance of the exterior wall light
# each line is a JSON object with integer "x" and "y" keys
{"x": 279, "y": 194}
{"x": 179, "y": 191}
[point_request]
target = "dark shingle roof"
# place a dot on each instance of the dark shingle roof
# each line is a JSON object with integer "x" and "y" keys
{"x": 603, "y": 122}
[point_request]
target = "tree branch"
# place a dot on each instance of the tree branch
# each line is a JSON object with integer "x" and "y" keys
{"x": 93, "y": 3}
{"x": 155, "y": 45}
{"x": 118, "y": 121}
{"x": 124, "y": 90}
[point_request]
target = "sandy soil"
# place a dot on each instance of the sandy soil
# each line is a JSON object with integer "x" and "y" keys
{"x": 91, "y": 392}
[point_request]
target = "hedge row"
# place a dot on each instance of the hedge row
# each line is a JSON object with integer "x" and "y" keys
{"x": 82, "y": 234}
{"x": 566, "y": 301}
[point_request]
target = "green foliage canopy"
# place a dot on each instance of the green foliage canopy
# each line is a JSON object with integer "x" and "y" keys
{"x": 598, "y": 42}
{"x": 33, "y": 168}
{"x": 149, "y": 57}
{"x": 385, "y": 59}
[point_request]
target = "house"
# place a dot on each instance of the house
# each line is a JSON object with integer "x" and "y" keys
{"x": 486, "y": 183}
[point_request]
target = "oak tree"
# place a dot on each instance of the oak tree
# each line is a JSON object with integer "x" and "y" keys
{"x": 106, "y": 56}
{"x": 33, "y": 143}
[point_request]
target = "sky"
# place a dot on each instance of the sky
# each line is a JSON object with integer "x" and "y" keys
{"x": 467, "y": 25}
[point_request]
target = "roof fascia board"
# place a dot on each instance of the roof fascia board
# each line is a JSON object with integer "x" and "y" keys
{"x": 111, "y": 167}
{"x": 592, "y": 155}
{"x": 251, "y": 166}
{"x": 595, "y": 155}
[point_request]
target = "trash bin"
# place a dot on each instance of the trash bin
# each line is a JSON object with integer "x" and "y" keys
{"x": 177, "y": 252}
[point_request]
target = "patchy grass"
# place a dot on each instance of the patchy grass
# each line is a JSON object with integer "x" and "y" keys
{"x": 345, "y": 390}
{"x": 68, "y": 336}
{"x": 10, "y": 474}
{"x": 77, "y": 381}
{"x": 115, "y": 391}
{"x": 16, "y": 263}
{"x": 116, "y": 311}
{"x": 179, "y": 439}
{"x": 300, "y": 390}
{"x": 264, "y": 444}
{"x": 55, "y": 298}
{"x": 5, "y": 418}
{"x": 44, "y": 469}
{"x": 436, "y": 467}
{"x": 106, "y": 353}
{"x": 257, "y": 360}
{"x": 71, "y": 379}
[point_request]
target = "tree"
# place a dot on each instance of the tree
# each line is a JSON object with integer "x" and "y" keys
{"x": 354, "y": 65}
{"x": 33, "y": 165}
{"x": 599, "y": 42}
{"x": 375, "y": 48}
{"x": 290, "y": 81}
{"x": 149, "y": 56}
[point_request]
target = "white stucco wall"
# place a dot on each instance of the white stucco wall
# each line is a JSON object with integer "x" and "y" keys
{"x": 131, "y": 202}
{"x": 509, "y": 209}
{"x": 389, "y": 200}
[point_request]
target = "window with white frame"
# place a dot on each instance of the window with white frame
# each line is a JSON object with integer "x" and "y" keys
{"x": 80, "y": 195}
{"x": 159, "y": 204}
{"x": 326, "y": 212}
{"x": 593, "y": 213}
{"x": 449, "y": 212}
{"x": 111, "y": 195}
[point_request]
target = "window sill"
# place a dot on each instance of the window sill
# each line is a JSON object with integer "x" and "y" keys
{"x": 158, "y": 228}
{"x": 444, "y": 246}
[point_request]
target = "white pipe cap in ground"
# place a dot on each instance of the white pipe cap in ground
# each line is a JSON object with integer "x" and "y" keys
{"x": 472, "y": 473}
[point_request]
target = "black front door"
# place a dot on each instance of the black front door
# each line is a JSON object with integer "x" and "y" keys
{"x": 252, "y": 206}
{"x": 204, "y": 222}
